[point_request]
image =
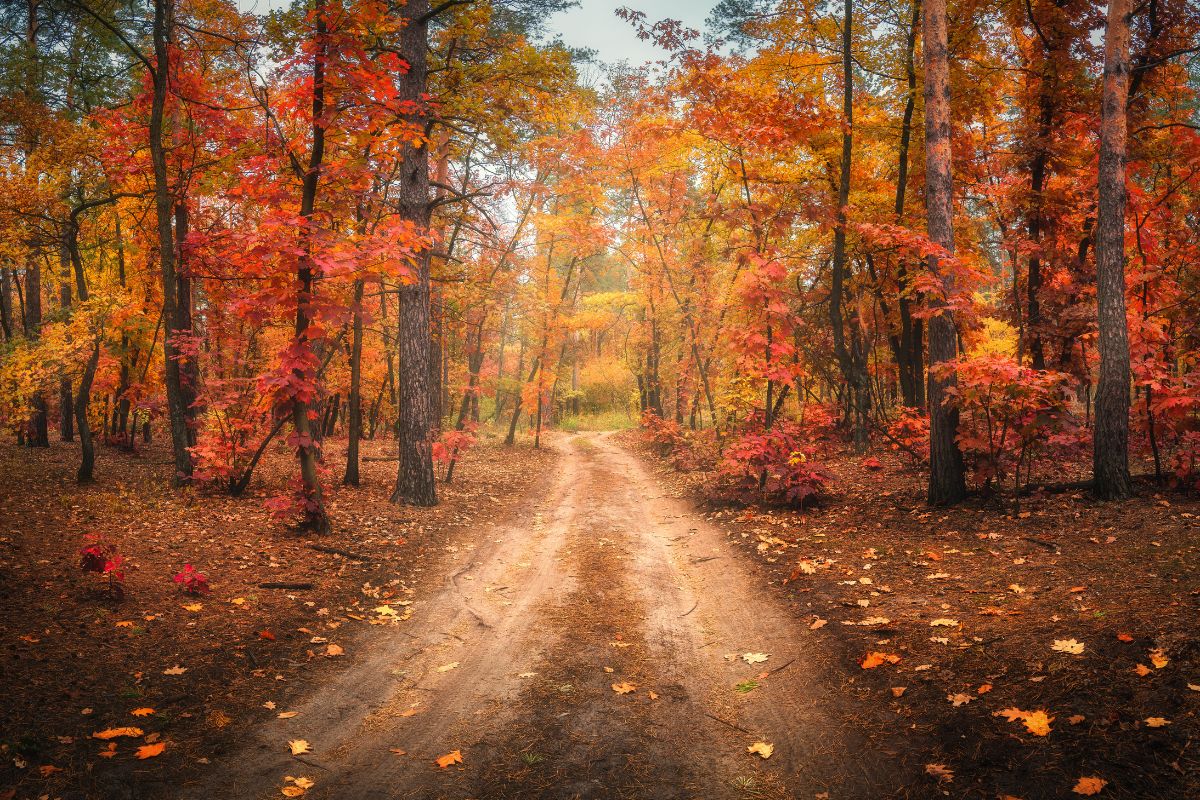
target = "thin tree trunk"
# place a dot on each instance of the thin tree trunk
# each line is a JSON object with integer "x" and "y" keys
{"x": 947, "y": 481}
{"x": 66, "y": 406}
{"x": 355, "y": 402}
{"x": 1110, "y": 444}
{"x": 164, "y": 21}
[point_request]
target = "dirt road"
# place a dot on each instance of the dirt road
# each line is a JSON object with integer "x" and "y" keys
{"x": 602, "y": 580}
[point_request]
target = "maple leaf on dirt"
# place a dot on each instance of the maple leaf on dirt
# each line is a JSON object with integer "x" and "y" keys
{"x": 151, "y": 750}
{"x": 623, "y": 687}
{"x": 818, "y": 623}
{"x": 334, "y": 650}
{"x": 175, "y": 670}
{"x": 875, "y": 659}
{"x": 113, "y": 733}
{"x": 959, "y": 699}
{"x": 761, "y": 748}
{"x": 1157, "y": 722}
{"x": 940, "y": 771}
{"x": 1158, "y": 658}
{"x": 944, "y": 623}
{"x": 454, "y": 757}
{"x": 142, "y": 712}
{"x": 755, "y": 658}
{"x": 1036, "y": 722}
{"x": 1090, "y": 786}
{"x": 1068, "y": 646}
{"x": 448, "y": 667}
{"x": 299, "y": 747}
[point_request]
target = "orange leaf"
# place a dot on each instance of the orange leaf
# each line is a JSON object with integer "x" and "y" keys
{"x": 151, "y": 750}
{"x": 873, "y": 660}
{"x": 450, "y": 758}
{"x": 1090, "y": 786}
{"x": 113, "y": 733}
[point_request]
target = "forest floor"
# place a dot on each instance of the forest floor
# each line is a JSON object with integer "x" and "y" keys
{"x": 573, "y": 623}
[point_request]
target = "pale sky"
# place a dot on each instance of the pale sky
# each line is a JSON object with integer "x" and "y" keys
{"x": 593, "y": 24}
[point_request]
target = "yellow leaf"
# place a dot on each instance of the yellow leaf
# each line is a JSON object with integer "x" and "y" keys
{"x": 113, "y": 733}
{"x": 623, "y": 688}
{"x": 175, "y": 670}
{"x": 1038, "y": 723}
{"x": 1157, "y": 722}
{"x": 450, "y": 758}
{"x": 448, "y": 667}
{"x": 151, "y": 750}
{"x": 303, "y": 783}
{"x": 287, "y": 714}
{"x": 944, "y": 623}
{"x": 761, "y": 748}
{"x": 818, "y": 623}
{"x": 238, "y": 601}
{"x": 334, "y": 650}
{"x": 142, "y": 712}
{"x": 124, "y": 624}
{"x": 1158, "y": 658}
{"x": 299, "y": 747}
{"x": 1090, "y": 786}
{"x": 193, "y": 607}
{"x": 1143, "y": 670}
{"x": 755, "y": 658}
{"x": 291, "y": 791}
{"x": 959, "y": 699}
{"x": 652, "y": 695}
{"x": 1068, "y": 646}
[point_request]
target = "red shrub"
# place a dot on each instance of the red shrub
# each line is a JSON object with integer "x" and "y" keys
{"x": 909, "y": 434}
{"x": 773, "y": 465}
{"x": 100, "y": 556}
{"x": 191, "y": 581}
{"x": 665, "y": 435}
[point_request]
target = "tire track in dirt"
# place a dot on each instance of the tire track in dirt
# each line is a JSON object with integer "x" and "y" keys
{"x": 604, "y": 572}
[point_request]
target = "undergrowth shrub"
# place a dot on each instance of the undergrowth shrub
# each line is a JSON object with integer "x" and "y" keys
{"x": 100, "y": 556}
{"x": 774, "y": 465}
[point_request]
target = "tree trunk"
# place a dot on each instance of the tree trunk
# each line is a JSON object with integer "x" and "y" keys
{"x": 307, "y": 448}
{"x": 189, "y": 368}
{"x": 947, "y": 481}
{"x": 852, "y": 366}
{"x": 355, "y": 400}
{"x": 415, "y": 480}
{"x": 6, "y": 306}
{"x": 1110, "y": 444}
{"x": 66, "y": 410}
{"x": 164, "y": 21}
{"x": 39, "y": 427}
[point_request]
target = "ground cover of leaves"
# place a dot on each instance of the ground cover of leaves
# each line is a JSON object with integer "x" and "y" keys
{"x": 996, "y": 651}
{"x": 170, "y": 680}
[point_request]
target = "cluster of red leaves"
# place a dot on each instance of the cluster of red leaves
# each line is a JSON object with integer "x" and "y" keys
{"x": 773, "y": 464}
{"x": 100, "y": 556}
{"x": 191, "y": 581}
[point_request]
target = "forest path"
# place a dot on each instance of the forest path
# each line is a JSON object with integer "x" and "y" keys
{"x": 509, "y": 663}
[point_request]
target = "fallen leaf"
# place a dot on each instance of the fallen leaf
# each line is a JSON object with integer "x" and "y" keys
{"x": 944, "y": 623}
{"x": 898, "y": 691}
{"x": 623, "y": 687}
{"x": 761, "y": 748}
{"x": 124, "y": 624}
{"x": 299, "y": 747}
{"x": 652, "y": 695}
{"x": 873, "y": 660}
{"x": 1068, "y": 646}
{"x": 193, "y": 607}
{"x": 334, "y": 650}
{"x": 291, "y": 791}
{"x": 287, "y": 714}
{"x": 818, "y": 623}
{"x": 1143, "y": 670}
{"x": 959, "y": 699}
{"x": 1125, "y": 637}
{"x": 940, "y": 771}
{"x": 151, "y": 750}
{"x": 450, "y": 758}
{"x": 46, "y": 770}
{"x": 113, "y": 733}
{"x": 984, "y": 688}
{"x": 1090, "y": 786}
{"x": 266, "y": 634}
{"x": 1157, "y": 722}
{"x": 142, "y": 712}
{"x": 398, "y": 751}
{"x": 109, "y": 751}
{"x": 302, "y": 782}
{"x": 755, "y": 658}
{"x": 1036, "y": 722}
{"x": 175, "y": 670}
{"x": 448, "y": 667}
{"x": 410, "y": 712}
{"x": 1158, "y": 658}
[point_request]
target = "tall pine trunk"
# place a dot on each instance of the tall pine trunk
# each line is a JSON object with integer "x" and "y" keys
{"x": 415, "y": 481}
{"x": 1110, "y": 442}
{"x": 354, "y": 411}
{"x": 947, "y": 481}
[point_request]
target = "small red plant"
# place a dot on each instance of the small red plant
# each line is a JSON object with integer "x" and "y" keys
{"x": 100, "y": 556}
{"x": 773, "y": 465}
{"x": 191, "y": 581}
{"x": 665, "y": 435}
